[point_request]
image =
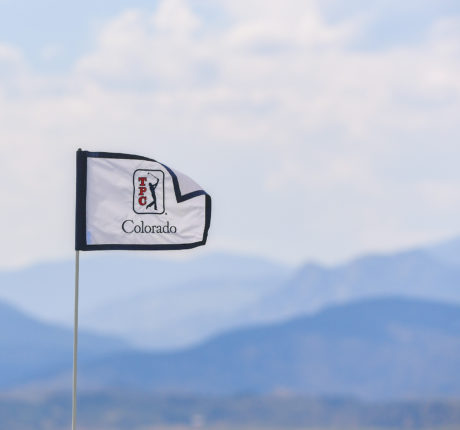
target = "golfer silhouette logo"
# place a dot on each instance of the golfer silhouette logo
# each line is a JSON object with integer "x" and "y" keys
{"x": 152, "y": 192}
{"x": 149, "y": 192}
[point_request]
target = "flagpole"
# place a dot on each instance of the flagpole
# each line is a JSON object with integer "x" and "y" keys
{"x": 75, "y": 342}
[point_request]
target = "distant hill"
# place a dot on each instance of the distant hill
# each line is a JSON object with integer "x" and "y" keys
{"x": 387, "y": 348}
{"x": 155, "y": 303}
{"x": 447, "y": 251}
{"x": 148, "y": 300}
{"x": 418, "y": 274}
{"x": 30, "y": 349}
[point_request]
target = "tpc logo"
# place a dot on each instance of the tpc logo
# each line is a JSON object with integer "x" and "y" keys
{"x": 149, "y": 192}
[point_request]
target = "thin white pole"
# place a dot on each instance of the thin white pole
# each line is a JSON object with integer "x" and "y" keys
{"x": 75, "y": 343}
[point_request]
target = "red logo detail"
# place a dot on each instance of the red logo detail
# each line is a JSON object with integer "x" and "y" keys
{"x": 142, "y": 189}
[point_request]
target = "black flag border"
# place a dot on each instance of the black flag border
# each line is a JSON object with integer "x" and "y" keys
{"x": 80, "y": 210}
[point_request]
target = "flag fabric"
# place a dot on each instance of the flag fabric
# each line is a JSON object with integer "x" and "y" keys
{"x": 131, "y": 202}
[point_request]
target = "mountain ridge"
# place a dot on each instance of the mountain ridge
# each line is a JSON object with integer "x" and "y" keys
{"x": 169, "y": 304}
{"x": 32, "y": 349}
{"x": 411, "y": 349}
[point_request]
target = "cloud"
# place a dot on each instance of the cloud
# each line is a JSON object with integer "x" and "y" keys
{"x": 274, "y": 111}
{"x": 9, "y": 55}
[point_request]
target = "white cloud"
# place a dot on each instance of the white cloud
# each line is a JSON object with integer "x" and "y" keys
{"x": 276, "y": 113}
{"x": 175, "y": 18}
{"x": 9, "y": 55}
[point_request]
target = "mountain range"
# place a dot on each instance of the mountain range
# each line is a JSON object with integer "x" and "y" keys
{"x": 373, "y": 349}
{"x": 32, "y": 349}
{"x": 414, "y": 273}
{"x": 158, "y": 303}
{"x": 378, "y": 327}
{"x": 149, "y": 301}
{"x": 385, "y": 348}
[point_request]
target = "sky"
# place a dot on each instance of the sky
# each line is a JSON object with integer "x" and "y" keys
{"x": 322, "y": 129}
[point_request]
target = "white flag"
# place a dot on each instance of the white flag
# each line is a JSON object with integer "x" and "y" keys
{"x": 131, "y": 202}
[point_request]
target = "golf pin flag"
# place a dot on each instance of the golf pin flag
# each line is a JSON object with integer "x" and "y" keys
{"x": 132, "y": 202}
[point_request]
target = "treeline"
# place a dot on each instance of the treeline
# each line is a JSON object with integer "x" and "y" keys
{"x": 136, "y": 411}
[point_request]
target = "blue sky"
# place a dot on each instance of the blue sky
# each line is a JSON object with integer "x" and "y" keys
{"x": 34, "y": 26}
{"x": 323, "y": 129}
